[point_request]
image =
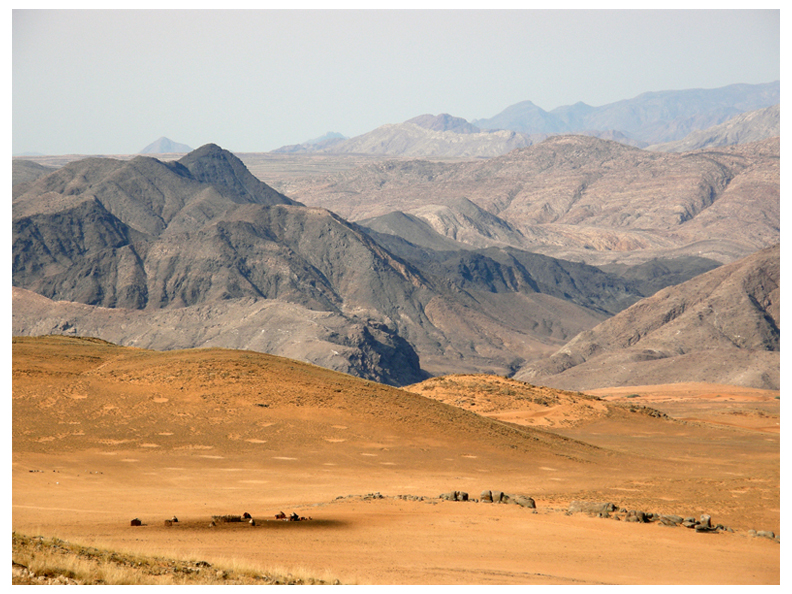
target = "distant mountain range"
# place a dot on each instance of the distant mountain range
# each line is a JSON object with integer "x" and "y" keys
{"x": 648, "y": 119}
{"x": 572, "y": 197}
{"x": 748, "y": 127}
{"x": 163, "y": 146}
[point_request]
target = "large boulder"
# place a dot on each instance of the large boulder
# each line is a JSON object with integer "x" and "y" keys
{"x": 525, "y": 501}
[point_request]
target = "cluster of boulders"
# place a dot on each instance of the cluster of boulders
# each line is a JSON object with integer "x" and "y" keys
{"x": 491, "y": 497}
{"x": 455, "y": 496}
{"x": 501, "y": 497}
{"x": 291, "y": 518}
{"x": 606, "y": 509}
{"x": 411, "y": 497}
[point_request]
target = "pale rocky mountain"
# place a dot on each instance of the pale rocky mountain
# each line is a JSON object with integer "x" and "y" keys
{"x": 582, "y": 198}
{"x": 410, "y": 139}
{"x": 424, "y": 135}
{"x": 444, "y": 123}
{"x": 314, "y": 145}
{"x": 721, "y": 327}
{"x": 163, "y": 146}
{"x": 747, "y": 127}
{"x": 442, "y": 135}
{"x": 202, "y": 232}
{"x": 653, "y": 117}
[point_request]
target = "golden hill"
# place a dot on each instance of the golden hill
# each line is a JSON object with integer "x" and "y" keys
{"x": 98, "y": 395}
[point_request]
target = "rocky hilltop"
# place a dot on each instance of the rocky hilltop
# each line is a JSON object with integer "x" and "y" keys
{"x": 722, "y": 326}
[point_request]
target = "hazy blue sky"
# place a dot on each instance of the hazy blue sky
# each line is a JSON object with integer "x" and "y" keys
{"x": 92, "y": 82}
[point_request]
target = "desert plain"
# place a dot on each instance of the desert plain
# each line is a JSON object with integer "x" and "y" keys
{"x": 103, "y": 434}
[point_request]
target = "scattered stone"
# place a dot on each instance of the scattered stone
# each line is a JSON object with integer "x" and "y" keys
{"x": 765, "y": 534}
{"x": 169, "y": 522}
{"x": 135, "y": 522}
{"x": 486, "y": 496}
{"x": 252, "y": 522}
{"x": 705, "y": 520}
{"x": 454, "y": 496}
{"x": 246, "y": 516}
{"x": 591, "y": 507}
{"x": 227, "y": 518}
{"x": 524, "y": 501}
{"x": 174, "y": 519}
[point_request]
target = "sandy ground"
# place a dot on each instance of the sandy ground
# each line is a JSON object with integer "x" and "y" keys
{"x": 103, "y": 435}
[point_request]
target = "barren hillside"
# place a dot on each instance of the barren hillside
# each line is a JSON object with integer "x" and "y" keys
{"x": 722, "y": 326}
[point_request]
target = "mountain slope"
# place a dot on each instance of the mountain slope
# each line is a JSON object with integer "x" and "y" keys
{"x": 202, "y": 234}
{"x": 747, "y": 127}
{"x": 581, "y": 198}
{"x": 722, "y": 326}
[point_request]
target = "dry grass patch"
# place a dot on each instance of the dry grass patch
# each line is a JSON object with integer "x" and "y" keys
{"x": 50, "y": 561}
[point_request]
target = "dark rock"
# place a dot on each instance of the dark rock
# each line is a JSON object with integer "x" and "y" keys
{"x": 135, "y": 522}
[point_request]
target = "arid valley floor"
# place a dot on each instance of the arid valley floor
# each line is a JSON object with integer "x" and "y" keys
{"x": 103, "y": 434}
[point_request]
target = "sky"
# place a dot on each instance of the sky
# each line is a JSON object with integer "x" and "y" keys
{"x": 113, "y": 81}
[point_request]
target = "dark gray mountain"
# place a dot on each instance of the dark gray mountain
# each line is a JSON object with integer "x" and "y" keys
{"x": 203, "y": 235}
